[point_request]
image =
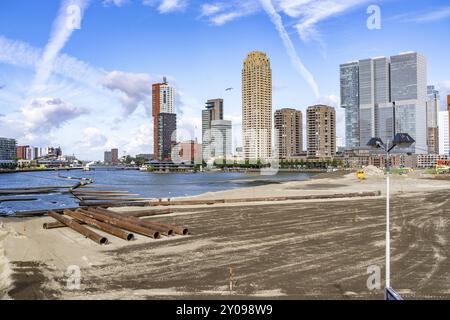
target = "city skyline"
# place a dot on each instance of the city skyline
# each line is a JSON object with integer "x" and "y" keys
{"x": 94, "y": 100}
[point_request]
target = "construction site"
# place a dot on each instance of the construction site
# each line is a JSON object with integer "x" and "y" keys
{"x": 310, "y": 239}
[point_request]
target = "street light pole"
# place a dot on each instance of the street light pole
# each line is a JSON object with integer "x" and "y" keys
{"x": 401, "y": 140}
{"x": 388, "y": 235}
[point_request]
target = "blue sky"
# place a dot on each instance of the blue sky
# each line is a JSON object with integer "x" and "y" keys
{"x": 88, "y": 89}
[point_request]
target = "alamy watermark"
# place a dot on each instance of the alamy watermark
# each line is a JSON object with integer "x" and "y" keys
{"x": 374, "y": 20}
{"x": 374, "y": 280}
{"x": 73, "y": 274}
{"x": 73, "y": 19}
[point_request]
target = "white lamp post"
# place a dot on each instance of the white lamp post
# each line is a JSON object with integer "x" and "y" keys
{"x": 401, "y": 140}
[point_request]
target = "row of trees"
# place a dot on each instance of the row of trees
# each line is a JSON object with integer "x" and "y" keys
{"x": 128, "y": 160}
{"x": 284, "y": 164}
{"x": 8, "y": 166}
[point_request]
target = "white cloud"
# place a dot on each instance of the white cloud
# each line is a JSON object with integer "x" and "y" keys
{"x": 67, "y": 21}
{"x": 10, "y": 128}
{"x": 141, "y": 141}
{"x": 117, "y": 3}
{"x": 295, "y": 59}
{"x": 210, "y": 9}
{"x": 21, "y": 54}
{"x": 45, "y": 114}
{"x": 93, "y": 138}
{"x": 220, "y": 13}
{"x": 432, "y": 16}
{"x": 135, "y": 88}
{"x": 166, "y": 6}
{"x": 312, "y": 12}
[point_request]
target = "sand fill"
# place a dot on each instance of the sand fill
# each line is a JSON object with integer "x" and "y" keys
{"x": 5, "y": 270}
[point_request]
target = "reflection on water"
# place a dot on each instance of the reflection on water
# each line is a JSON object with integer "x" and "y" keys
{"x": 145, "y": 184}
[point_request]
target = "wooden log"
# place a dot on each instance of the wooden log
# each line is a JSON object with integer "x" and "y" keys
{"x": 79, "y": 228}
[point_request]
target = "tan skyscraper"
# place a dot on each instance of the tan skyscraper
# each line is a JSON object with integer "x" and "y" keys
{"x": 321, "y": 131}
{"x": 257, "y": 107}
{"x": 288, "y": 132}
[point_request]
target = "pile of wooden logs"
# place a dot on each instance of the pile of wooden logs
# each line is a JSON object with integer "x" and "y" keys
{"x": 119, "y": 225}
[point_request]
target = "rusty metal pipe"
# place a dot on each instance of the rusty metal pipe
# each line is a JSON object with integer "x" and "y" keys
{"x": 79, "y": 228}
{"x": 121, "y": 223}
{"x": 163, "y": 229}
{"x": 100, "y": 225}
{"x": 148, "y": 213}
{"x": 178, "y": 230}
{"x": 56, "y": 225}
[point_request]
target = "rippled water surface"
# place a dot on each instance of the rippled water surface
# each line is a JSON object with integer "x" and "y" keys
{"x": 146, "y": 184}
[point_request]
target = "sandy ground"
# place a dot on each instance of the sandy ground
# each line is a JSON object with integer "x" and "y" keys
{"x": 291, "y": 249}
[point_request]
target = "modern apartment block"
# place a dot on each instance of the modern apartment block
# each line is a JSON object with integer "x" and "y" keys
{"x": 8, "y": 150}
{"x": 321, "y": 131}
{"x": 392, "y": 95}
{"x": 349, "y": 78}
{"x": 288, "y": 132}
{"x": 107, "y": 157}
{"x": 213, "y": 111}
{"x": 111, "y": 157}
{"x": 115, "y": 156}
{"x": 162, "y": 103}
{"x": 433, "y": 108}
{"x": 221, "y": 140}
{"x": 444, "y": 132}
{"x": 257, "y": 107}
{"x": 167, "y": 136}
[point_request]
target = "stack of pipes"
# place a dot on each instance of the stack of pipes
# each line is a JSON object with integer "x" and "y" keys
{"x": 120, "y": 225}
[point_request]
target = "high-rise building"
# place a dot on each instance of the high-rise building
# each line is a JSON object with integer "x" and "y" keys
{"x": 409, "y": 93}
{"x": 444, "y": 133}
{"x": 115, "y": 156}
{"x": 220, "y": 146}
{"x": 8, "y": 150}
{"x": 111, "y": 157}
{"x": 433, "y": 108}
{"x": 448, "y": 111}
{"x": 288, "y": 132}
{"x": 22, "y": 152}
{"x": 349, "y": 78}
{"x": 213, "y": 111}
{"x": 188, "y": 152}
{"x": 321, "y": 131}
{"x": 376, "y": 111}
{"x": 257, "y": 107}
{"x": 162, "y": 103}
{"x": 107, "y": 157}
{"x": 392, "y": 98}
{"x": 167, "y": 135}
